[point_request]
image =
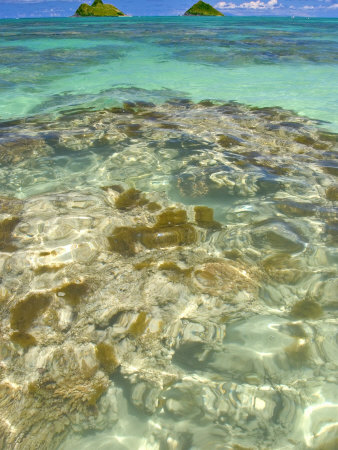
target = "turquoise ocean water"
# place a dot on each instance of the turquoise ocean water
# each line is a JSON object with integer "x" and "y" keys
{"x": 168, "y": 233}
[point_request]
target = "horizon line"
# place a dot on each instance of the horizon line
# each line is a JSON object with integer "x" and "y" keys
{"x": 293, "y": 16}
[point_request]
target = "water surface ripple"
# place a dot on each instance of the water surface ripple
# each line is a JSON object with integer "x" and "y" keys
{"x": 168, "y": 234}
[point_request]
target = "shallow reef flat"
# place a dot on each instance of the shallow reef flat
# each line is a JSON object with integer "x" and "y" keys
{"x": 168, "y": 279}
{"x": 94, "y": 283}
{"x": 197, "y": 150}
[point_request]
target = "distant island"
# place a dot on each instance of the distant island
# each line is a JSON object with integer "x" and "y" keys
{"x": 98, "y": 9}
{"x": 202, "y": 9}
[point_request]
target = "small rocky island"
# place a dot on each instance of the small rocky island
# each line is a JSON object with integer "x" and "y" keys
{"x": 98, "y": 9}
{"x": 202, "y": 9}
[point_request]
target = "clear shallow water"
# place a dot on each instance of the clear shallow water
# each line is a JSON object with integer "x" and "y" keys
{"x": 132, "y": 319}
{"x": 48, "y": 64}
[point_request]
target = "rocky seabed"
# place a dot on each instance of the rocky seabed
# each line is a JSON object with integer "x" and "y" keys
{"x": 132, "y": 310}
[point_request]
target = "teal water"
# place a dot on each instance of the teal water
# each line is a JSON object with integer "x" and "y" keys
{"x": 57, "y": 63}
{"x": 132, "y": 318}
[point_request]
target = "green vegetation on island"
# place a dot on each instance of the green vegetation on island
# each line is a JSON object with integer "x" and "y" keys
{"x": 202, "y": 9}
{"x": 98, "y": 9}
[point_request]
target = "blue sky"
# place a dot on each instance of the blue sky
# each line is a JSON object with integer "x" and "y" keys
{"x": 52, "y": 8}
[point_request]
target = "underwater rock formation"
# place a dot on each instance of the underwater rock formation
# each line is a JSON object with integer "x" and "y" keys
{"x": 69, "y": 327}
{"x": 98, "y": 9}
{"x": 113, "y": 296}
{"x": 13, "y": 151}
{"x": 202, "y": 9}
{"x": 212, "y": 150}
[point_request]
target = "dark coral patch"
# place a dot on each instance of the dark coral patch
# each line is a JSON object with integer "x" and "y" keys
{"x": 26, "y": 311}
{"x": 204, "y": 217}
{"x": 130, "y": 199}
{"x": 25, "y": 340}
{"x": 106, "y": 356}
{"x": 6, "y": 228}
{"x": 139, "y": 326}
{"x": 307, "y": 309}
{"x": 170, "y": 230}
{"x": 332, "y": 193}
{"x": 153, "y": 206}
{"x": 173, "y": 236}
{"x": 171, "y": 217}
{"x": 175, "y": 273}
{"x": 228, "y": 141}
{"x": 123, "y": 241}
{"x": 73, "y": 292}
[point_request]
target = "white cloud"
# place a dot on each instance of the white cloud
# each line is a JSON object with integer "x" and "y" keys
{"x": 254, "y": 4}
{"x": 258, "y": 4}
{"x": 225, "y": 5}
{"x": 333, "y": 6}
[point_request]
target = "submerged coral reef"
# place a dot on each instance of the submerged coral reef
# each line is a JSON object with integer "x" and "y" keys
{"x": 121, "y": 285}
{"x": 67, "y": 331}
